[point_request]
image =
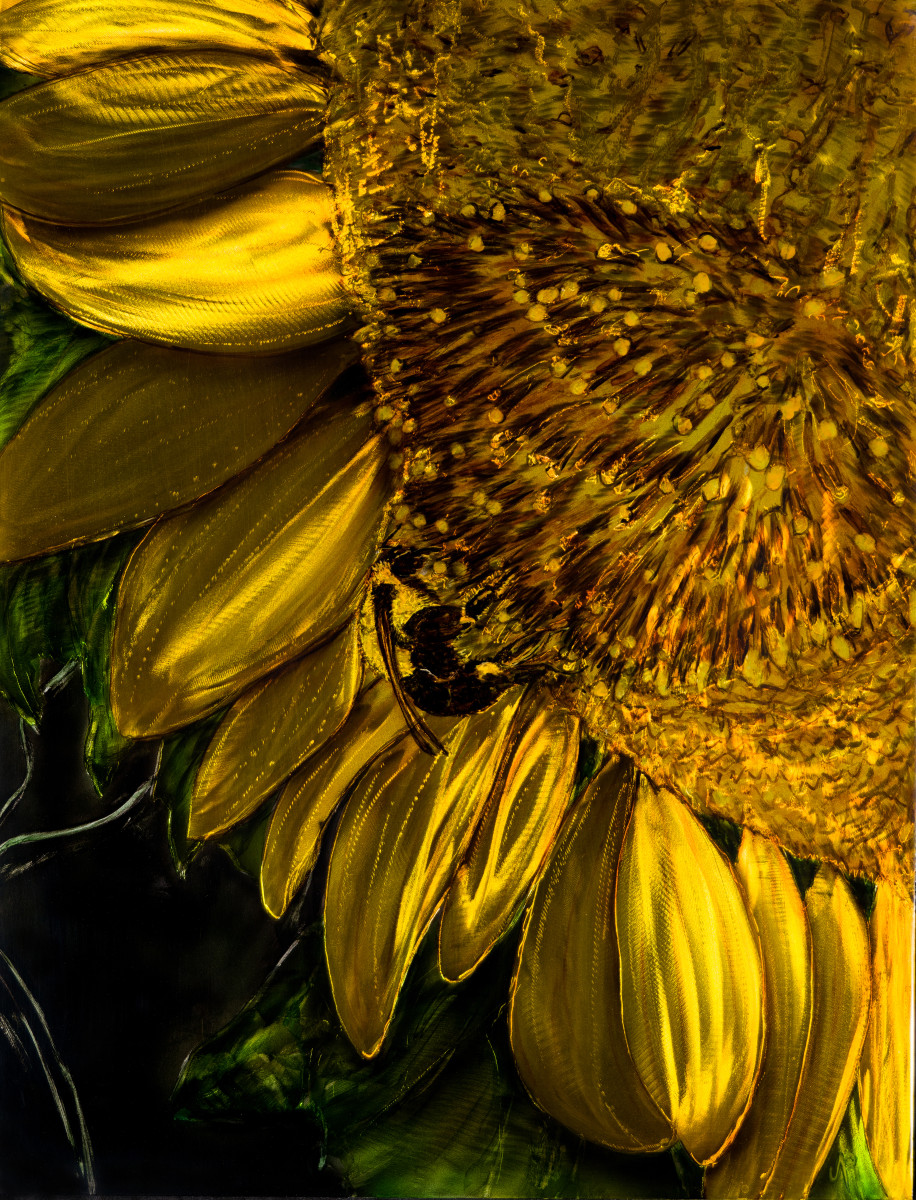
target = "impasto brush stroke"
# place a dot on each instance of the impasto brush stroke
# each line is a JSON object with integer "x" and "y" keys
{"x": 496, "y": 511}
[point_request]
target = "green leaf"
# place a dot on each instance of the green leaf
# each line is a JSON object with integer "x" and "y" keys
{"x": 440, "y": 1112}
{"x": 34, "y": 626}
{"x": 182, "y": 754}
{"x": 849, "y": 1173}
{"x": 38, "y": 346}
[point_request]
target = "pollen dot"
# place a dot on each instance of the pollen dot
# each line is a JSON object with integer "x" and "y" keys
{"x": 468, "y": 210}
{"x": 800, "y": 524}
{"x": 642, "y": 366}
{"x": 814, "y": 308}
{"x": 605, "y": 250}
{"x": 727, "y": 359}
{"x": 753, "y": 341}
{"x": 547, "y": 295}
{"x": 494, "y": 508}
{"x": 597, "y": 304}
{"x": 521, "y": 251}
{"x": 702, "y": 282}
{"x": 628, "y": 207}
{"x": 878, "y": 446}
{"x": 865, "y": 542}
{"x": 666, "y": 486}
{"x": 413, "y": 260}
{"x": 457, "y": 450}
{"x": 707, "y": 401}
{"x": 631, "y": 318}
{"x": 826, "y": 430}
{"x": 704, "y": 372}
{"x": 495, "y": 416}
{"x": 438, "y": 315}
{"x": 711, "y": 489}
{"x": 775, "y": 477}
{"x": 521, "y": 296}
{"x": 662, "y": 251}
{"x": 683, "y": 425}
{"x": 537, "y": 312}
{"x": 708, "y": 243}
{"x": 475, "y": 242}
{"x": 762, "y": 381}
{"x": 622, "y": 346}
{"x": 480, "y": 498}
{"x": 759, "y": 458}
{"x": 578, "y": 387}
{"x": 449, "y": 401}
{"x": 385, "y": 413}
{"x": 419, "y": 521}
{"x": 498, "y": 211}
{"x": 442, "y": 526}
{"x": 568, "y": 290}
{"x": 544, "y": 196}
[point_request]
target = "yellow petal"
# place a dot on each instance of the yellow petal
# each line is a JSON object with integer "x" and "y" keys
{"x": 137, "y": 137}
{"x": 691, "y": 977}
{"x": 885, "y": 1073}
{"x": 139, "y": 429}
{"x": 565, "y": 1020}
{"x": 251, "y": 270}
{"x": 401, "y": 836}
{"x": 273, "y": 728}
{"x": 514, "y": 837}
{"x": 841, "y": 999}
{"x": 52, "y": 37}
{"x": 251, "y": 577}
{"x": 777, "y": 908}
{"x": 313, "y": 793}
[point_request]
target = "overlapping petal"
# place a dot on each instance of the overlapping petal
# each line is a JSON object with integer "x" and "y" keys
{"x": 515, "y": 834}
{"x": 885, "y": 1072}
{"x": 401, "y": 837}
{"x": 273, "y": 728}
{"x": 777, "y": 908}
{"x": 565, "y": 1022}
{"x": 53, "y": 37}
{"x": 841, "y": 999}
{"x": 138, "y": 430}
{"x": 251, "y": 577}
{"x": 314, "y": 791}
{"x": 251, "y": 270}
{"x": 691, "y": 979}
{"x": 141, "y": 136}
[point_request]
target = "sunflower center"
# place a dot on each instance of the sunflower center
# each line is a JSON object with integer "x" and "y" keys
{"x": 652, "y": 444}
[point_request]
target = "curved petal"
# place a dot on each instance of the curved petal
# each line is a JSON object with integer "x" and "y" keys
{"x": 401, "y": 836}
{"x": 565, "y": 1020}
{"x": 137, "y": 137}
{"x": 251, "y": 270}
{"x": 253, "y": 576}
{"x": 54, "y": 37}
{"x": 841, "y": 999}
{"x": 313, "y": 793}
{"x": 514, "y": 837}
{"x": 690, "y": 972}
{"x": 885, "y": 1072}
{"x": 779, "y": 912}
{"x": 138, "y": 430}
{"x": 273, "y": 728}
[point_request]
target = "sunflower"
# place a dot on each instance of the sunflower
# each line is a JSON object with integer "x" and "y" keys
{"x": 529, "y": 497}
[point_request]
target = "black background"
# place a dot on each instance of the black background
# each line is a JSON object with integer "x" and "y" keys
{"x": 133, "y": 966}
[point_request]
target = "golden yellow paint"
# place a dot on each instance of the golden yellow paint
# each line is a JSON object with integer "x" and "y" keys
{"x": 402, "y": 835}
{"x": 841, "y": 999}
{"x": 52, "y": 37}
{"x": 142, "y": 429}
{"x": 252, "y": 270}
{"x": 215, "y": 597}
{"x": 134, "y": 138}
{"x": 565, "y": 1019}
{"x": 271, "y": 730}
{"x": 777, "y": 908}
{"x": 514, "y": 837}
{"x": 690, "y": 975}
{"x": 315, "y": 790}
{"x": 886, "y": 1069}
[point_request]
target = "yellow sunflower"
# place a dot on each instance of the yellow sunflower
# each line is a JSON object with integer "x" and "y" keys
{"x": 573, "y": 406}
